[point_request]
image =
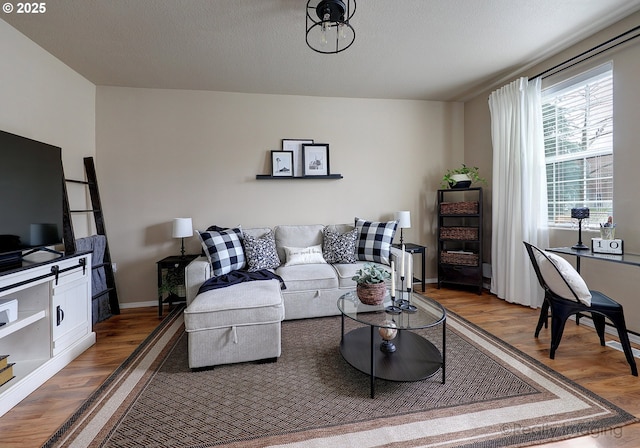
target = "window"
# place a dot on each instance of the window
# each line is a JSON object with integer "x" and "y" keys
{"x": 577, "y": 116}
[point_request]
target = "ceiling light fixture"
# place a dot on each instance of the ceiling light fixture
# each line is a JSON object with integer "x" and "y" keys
{"x": 331, "y": 31}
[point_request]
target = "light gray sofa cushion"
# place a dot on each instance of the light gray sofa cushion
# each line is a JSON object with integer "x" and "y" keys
{"x": 297, "y": 236}
{"x": 308, "y": 277}
{"x": 251, "y": 303}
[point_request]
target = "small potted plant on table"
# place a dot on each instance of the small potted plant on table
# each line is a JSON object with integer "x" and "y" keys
{"x": 371, "y": 288}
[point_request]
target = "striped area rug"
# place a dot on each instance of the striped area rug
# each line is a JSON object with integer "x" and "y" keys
{"x": 494, "y": 395}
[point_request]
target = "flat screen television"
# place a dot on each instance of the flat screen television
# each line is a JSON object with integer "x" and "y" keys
{"x": 31, "y": 196}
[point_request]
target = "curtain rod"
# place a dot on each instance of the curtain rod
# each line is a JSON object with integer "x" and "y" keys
{"x": 570, "y": 62}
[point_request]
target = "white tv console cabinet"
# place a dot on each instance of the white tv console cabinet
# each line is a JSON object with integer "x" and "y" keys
{"x": 53, "y": 325}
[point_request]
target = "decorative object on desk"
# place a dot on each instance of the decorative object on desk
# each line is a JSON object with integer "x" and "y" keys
{"x": 608, "y": 229}
{"x": 295, "y": 145}
{"x": 579, "y": 213}
{"x": 607, "y": 246}
{"x": 371, "y": 287}
{"x": 282, "y": 163}
{"x": 182, "y": 228}
{"x": 315, "y": 159}
{"x": 404, "y": 222}
{"x": 462, "y": 177}
{"x": 387, "y": 333}
{"x": 328, "y": 27}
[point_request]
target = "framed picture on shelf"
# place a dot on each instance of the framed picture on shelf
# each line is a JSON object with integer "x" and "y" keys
{"x": 295, "y": 145}
{"x": 315, "y": 159}
{"x": 282, "y": 163}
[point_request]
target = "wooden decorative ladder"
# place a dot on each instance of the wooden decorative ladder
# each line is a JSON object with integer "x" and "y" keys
{"x": 96, "y": 210}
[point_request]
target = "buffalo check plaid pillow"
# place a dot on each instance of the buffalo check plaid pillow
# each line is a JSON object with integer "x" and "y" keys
{"x": 224, "y": 249}
{"x": 374, "y": 240}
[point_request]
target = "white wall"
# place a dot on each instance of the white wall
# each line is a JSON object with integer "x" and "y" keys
{"x": 163, "y": 154}
{"x": 43, "y": 99}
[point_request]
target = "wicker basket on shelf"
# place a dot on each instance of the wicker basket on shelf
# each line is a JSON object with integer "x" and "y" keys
{"x": 459, "y": 208}
{"x": 459, "y": 233}
{"x": 459, "y": 258}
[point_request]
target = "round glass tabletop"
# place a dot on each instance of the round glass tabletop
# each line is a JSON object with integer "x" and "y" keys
{"x": 428, "y": 314}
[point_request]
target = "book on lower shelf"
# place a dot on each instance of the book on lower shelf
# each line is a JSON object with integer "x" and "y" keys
{"x": 6, "y": 369}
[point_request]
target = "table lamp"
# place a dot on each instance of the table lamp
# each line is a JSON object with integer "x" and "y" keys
{"x": 579, "y": 213}
{"x": 182, "y": 228}
{"x": 404, "y": 222}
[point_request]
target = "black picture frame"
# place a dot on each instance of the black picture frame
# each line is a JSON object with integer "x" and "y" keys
{"x": 295, "y": 145}
{"x": 282, "y": 163}
{"x": 315, "y": 159}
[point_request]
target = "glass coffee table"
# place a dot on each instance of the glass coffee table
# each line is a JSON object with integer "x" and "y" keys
{"x": 403, "y": 356}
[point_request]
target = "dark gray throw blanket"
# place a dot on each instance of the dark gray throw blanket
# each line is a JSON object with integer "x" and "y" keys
{"x": 235, "y": 277}
{"x": 101, "y": 309}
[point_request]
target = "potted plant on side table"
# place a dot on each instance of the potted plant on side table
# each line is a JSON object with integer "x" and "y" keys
{"x": 371, "y": 288}
{"x": 462, "y": 177}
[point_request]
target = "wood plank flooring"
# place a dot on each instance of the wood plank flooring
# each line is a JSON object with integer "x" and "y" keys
{"x": 579, "y": 357}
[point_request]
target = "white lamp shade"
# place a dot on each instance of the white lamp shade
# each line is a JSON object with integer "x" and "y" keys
{"x": 404, "y": 219}
{"x": 182, "y": 228}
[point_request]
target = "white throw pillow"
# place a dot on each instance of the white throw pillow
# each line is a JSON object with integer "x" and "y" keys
{"x": 554, "y": 280}
{"x": 303, "y": 255}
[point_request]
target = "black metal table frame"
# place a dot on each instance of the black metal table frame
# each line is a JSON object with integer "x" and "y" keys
{"x": 373, "y": 351}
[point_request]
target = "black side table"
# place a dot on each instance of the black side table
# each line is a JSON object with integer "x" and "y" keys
{"x": 416, "y": 249}
{"x": 171, "y": 280}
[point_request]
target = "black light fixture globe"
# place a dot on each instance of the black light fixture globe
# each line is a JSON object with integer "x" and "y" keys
{"x": 579, "y": 213}
{"x": 328, "y": 27}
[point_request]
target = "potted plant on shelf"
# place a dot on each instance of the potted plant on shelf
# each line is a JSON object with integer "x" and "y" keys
{"x": 462, "y": 177}
{"x": 371, "y": 288}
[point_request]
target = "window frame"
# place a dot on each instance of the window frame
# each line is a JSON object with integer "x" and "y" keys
{"x": 585, "y": 158}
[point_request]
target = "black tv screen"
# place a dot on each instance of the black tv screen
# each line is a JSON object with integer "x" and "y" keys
{"x": 31, "y": 194}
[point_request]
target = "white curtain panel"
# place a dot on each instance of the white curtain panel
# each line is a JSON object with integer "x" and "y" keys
{"x": 519, "y": 200}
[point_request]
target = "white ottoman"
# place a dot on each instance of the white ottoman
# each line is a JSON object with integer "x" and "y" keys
{"x": 235, "y": 324}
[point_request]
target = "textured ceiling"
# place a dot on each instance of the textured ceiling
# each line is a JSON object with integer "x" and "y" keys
{"x": 406, "y": 49}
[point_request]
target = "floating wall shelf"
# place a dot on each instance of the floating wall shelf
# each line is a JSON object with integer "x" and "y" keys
{"x": 270, "y": 177}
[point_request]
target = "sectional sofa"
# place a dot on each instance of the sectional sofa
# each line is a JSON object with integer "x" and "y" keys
{"x": 312, "y": 266}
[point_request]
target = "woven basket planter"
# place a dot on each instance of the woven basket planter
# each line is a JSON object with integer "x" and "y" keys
{"x": 371, "y": 294}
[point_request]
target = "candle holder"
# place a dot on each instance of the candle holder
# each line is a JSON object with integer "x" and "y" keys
{"x": 402, "y": 302}
{"x": 406, "y": 305}
{"x": 393, "y": 308}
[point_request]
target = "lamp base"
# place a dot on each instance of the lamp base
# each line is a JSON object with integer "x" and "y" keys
{"x": 579, "y": 246}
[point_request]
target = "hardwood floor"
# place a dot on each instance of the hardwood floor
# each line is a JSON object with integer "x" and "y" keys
{"x": 602, "y": 370}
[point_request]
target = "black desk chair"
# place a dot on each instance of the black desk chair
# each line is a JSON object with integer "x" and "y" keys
{"x": 565, "y": 293}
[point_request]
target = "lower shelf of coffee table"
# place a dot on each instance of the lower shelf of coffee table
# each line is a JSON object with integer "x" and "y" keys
{"x": 415, "y": 357}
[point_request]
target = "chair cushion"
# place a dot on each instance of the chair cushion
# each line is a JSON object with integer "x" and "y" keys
{"x": 554, "y": 279}
{"x": 223, "y": 249}
{"x": 374, "y": 240}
